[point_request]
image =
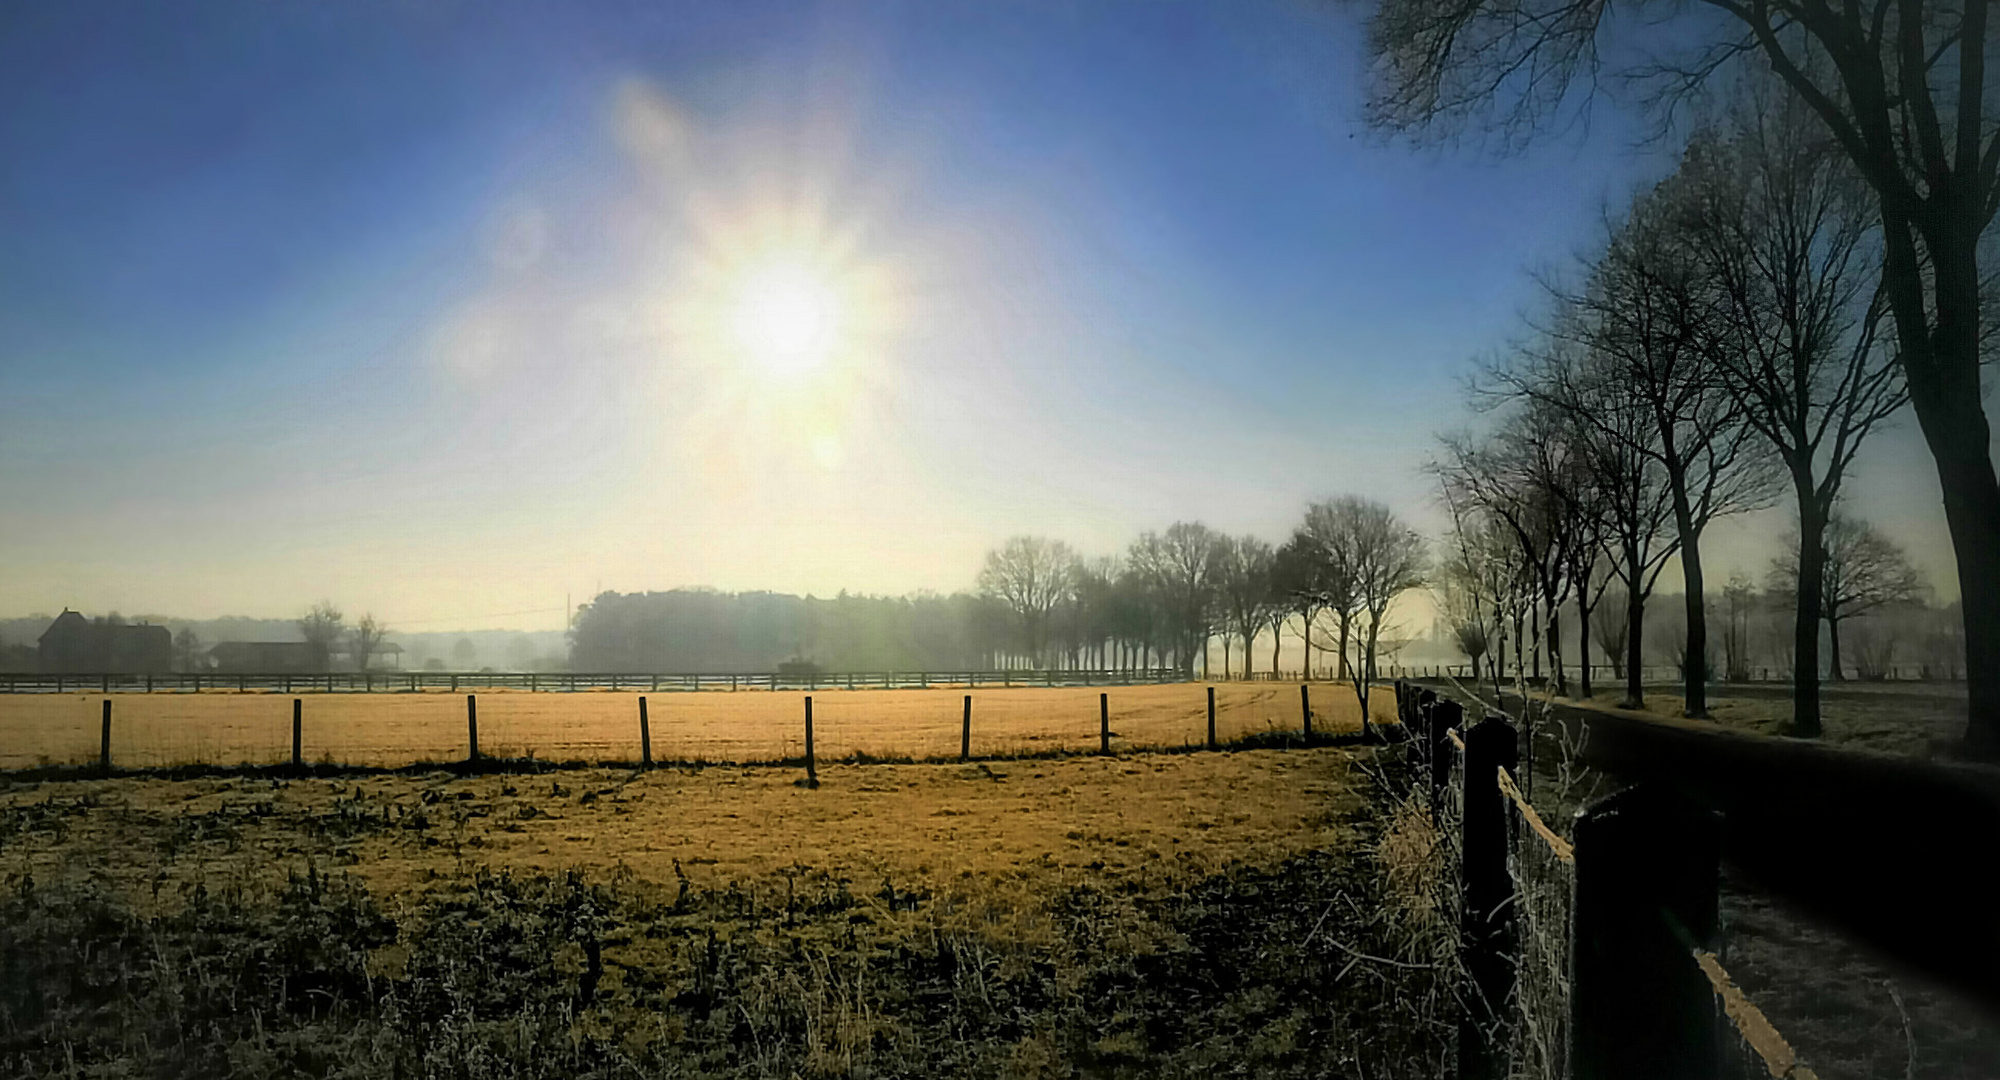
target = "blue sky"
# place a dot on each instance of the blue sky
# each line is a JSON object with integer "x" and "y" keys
{"x": 398, "y": 303}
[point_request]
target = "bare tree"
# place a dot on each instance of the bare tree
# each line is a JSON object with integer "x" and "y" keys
{"x": 1786, "y": 234}
{"x": 1299, "y": 574}
{"x": 1528, "y": 475}
{"x": 1473, "y": 583}
{"x": 1183, "y": 567}
{"x": 321, "y": 627}
{"x": 1328, "y": 533}
{"x": 1382, "y": 558}
{"x": 1032, "y": 575}
{"x": 1900, "y": 87}
{"x": 187, "y": 649}
{"x": 1863, "y": 570}
{"x": 1245, "y": 582}
{"x": 1739, "y": 599}
{"x": 364, "y": 640}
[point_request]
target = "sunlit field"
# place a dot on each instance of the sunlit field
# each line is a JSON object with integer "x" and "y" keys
{"x": 387, "y": 729}
{"x": 1002, "y": 918}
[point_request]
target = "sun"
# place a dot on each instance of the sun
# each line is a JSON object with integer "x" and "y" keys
{"x": 786, "y": 317}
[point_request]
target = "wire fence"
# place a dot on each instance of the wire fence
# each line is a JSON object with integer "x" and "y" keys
{"x": 388, "y": 731}
{"x": 1564, "y": 974}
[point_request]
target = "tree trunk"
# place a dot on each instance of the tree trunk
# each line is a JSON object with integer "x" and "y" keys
{"x": 1583, "y": 635}
{"x": 1535, "y": 647}
{"x": 1227, "y": 642}
{"x": 1833, "y": 648}
{"x": 1805, "y": 629}
{"x": 1277, "y": 641}
{"x": 1346, "y": 619}
{"x": 1635, "y": 625}
{"x": 1972, "y": 511}
{"x": 1694, "y": 671}
{"x": 1555, "y": 649}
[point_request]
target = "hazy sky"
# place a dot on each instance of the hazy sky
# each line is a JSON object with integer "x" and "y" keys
{"x": 439, "y": 309}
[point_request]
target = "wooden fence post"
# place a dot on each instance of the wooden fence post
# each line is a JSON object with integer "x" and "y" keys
{"x": 298, "y": 732}
{"x": 1211, "y": 718}
{"x": 965, "y": 732}
{"x": 1640, "y": 1008}
{"x": 1445, "y": 715}
{"x": 472, "y": 727}
{"x": 812, "y": 772}
{"x": 1306, "y": 711}
{"x": 1103, "y": 722}
{"x": 104, "y": 744}
{"x": 1486, "y": 929}
{"x": 645, "y": 737}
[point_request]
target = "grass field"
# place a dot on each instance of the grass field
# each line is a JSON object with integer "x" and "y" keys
{"x": 395, "y": 729}
{"x": 1142, "y": 915}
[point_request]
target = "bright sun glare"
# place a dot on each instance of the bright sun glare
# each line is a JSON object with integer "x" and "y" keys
{"x": 786, "y": 318}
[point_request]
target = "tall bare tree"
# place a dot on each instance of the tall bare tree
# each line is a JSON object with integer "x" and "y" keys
{"x": 1245, "y": 582}
{"x": 1862, "y": 570}
{"x": 1901, "y": 86}
{"x": 1032, "y": 575}
{"x": 1786, "y": 234}
{"x": 1328, "y": 536}
{"x": 321, "y": 627}
{"x": 1182, "y": 565}
{"x": 1385, "y": 558}
{"x": 364, "y": 640}
{"x": 1299, "y": 585}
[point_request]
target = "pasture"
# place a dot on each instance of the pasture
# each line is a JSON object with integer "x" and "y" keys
{"x": 399, "y": 729}
{"x": 1134, "y": 915}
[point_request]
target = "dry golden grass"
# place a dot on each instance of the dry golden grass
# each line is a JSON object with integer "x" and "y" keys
{"x": 752, "y": 725}
{"x": 992, "y": 839}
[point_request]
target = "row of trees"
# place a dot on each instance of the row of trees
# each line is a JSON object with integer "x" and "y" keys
{"x": 1831, "y": 266}
{"x": 1724, "y": 349}
{"x": 1173, "y": 593}
{"x": 1164, "y": 602}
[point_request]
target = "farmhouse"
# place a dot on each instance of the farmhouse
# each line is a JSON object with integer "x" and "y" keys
{"x": 75, "y": 645}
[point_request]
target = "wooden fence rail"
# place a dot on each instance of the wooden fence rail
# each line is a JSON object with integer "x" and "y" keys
{"x": 1878, "y": 844}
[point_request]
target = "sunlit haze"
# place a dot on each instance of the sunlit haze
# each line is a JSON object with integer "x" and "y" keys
{"x": 459, "y": 315}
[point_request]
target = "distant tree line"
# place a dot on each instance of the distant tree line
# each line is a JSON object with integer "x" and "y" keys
{"x": 1165, "y": 602}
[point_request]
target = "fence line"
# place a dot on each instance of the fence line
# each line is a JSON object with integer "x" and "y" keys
{"x": 427, "y": 749}
{"x": 1643, "y": 887}
{"x": 552, "y": 682}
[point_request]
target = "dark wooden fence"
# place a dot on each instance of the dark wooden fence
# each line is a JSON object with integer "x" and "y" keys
{"x": 1889, "y": 849}
{"x": 459, "y": 681}
{"x": 645, "y": 731}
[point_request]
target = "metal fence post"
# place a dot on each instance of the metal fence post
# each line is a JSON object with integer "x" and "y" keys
{"x": 1103, "y": 723}
{"x": 1646, "y": 879}
{"x": 104, "y": 745}
{"x": 965, "y": 732}
{"x": 472, "y": 727}
{"x": 298, "y": 741}
{"x": 1306, "y": 711}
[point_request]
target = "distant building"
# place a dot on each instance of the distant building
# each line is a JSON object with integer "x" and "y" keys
{"x": 74, "y": 645}
{"x": 268, "y": 658}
